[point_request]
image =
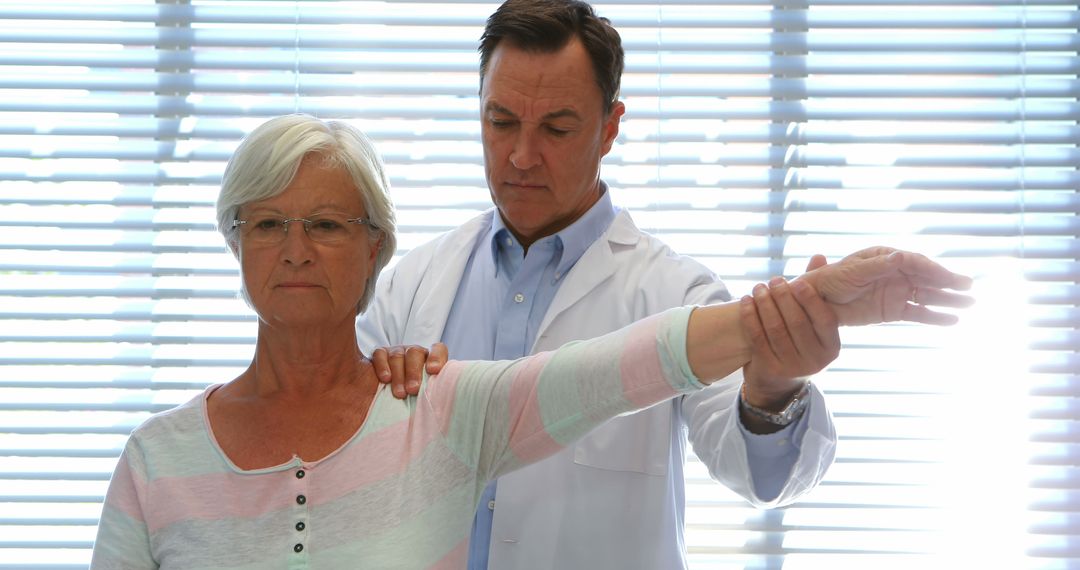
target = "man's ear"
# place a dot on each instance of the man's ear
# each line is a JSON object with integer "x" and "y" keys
{"x": 611, "y": 126}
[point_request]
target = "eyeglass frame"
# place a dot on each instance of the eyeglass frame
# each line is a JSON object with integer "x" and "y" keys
{"x": 306, "y": 223}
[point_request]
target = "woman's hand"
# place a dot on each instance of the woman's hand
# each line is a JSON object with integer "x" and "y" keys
{"x": 882, "y": 284}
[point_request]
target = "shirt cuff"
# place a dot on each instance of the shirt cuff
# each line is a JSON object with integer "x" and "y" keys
{"x": 776, "y": 444}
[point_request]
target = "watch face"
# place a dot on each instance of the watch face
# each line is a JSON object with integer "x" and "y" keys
{"x": 794, "y": 408}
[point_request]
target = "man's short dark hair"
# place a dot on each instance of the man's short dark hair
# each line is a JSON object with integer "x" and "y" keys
{"x": 547, "y": 26}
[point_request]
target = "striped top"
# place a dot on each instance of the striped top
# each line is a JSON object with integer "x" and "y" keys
{"x": 401, "y": 493}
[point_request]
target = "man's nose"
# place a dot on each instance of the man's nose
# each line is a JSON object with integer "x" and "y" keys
{"x": 525, "y": 154}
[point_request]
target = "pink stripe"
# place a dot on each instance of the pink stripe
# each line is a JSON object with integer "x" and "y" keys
{"x": 383, "y": 454}
{"x": 529, "y": 439}
{"x": 455, "y": 559}
{"x": 124, "y": 491}
{"x": 643, "y": 378}
{"x": 441, "y": 390}
{"x": 217, "y": 496}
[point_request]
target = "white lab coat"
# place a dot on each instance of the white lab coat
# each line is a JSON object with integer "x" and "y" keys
{"x": 615, "y": 498}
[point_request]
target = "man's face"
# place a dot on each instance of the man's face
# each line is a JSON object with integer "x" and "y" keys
{"x": 544, "y": 131}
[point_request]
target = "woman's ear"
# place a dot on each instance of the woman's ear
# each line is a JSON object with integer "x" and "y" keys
{"x": 377, "y": 247}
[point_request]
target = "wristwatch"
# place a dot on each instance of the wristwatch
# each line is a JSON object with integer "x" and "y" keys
{"x": 791, "y": 412}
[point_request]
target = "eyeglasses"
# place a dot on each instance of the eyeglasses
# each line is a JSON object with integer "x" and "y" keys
{"x": 321, "y": 228}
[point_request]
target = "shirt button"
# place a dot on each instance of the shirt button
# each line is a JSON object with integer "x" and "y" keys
{"x": 300, "y": 525}
{"x": 519, "y": 298}
{"x": 491, "y": 505}
{"x": 300, "y": 474}
{"x": 300, "y": 499}
{"x": 298, "y": 548}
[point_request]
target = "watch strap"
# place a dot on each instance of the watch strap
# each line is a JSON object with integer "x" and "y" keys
{"x": 791, "y": 412}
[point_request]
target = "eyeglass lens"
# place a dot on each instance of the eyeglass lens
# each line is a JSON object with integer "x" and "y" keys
{"x": 323, "y": 229}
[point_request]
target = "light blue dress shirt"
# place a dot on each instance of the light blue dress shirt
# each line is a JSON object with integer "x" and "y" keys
{"x": 500, "y": 303}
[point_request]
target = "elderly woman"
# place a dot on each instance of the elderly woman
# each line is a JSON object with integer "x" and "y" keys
{"x": 306, "y": 460}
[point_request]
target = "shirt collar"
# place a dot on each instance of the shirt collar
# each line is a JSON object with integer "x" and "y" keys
{"x": 573, "y": 240}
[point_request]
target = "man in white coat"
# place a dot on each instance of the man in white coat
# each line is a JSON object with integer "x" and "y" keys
{"x": 556, "y": 261}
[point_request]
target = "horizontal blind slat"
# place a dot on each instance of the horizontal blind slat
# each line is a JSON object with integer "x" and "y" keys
{"x": 688, "y": 16}
{"x": 464, "y": 40}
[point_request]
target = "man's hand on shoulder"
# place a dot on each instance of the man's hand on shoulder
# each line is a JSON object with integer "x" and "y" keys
{"x": 402, "y": 366}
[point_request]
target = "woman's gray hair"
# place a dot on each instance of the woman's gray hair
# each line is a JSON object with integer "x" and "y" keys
{"x": 267, "y": 160}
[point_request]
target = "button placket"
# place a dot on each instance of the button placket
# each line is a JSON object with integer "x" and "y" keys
{"x": 300, "y": 522}
{"x": 512, "y": 330}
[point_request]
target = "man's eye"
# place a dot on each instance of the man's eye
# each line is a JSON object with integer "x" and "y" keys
{"x": 558, "y": 132}
{"x": 268, "y": 225}
{"x": 500, "y": 124}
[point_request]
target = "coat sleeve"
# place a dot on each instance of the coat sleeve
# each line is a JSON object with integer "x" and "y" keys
{"x": 380, "y": 325}
{"x": 123, "y": 540}
{"x": 718, "y": 439}
{"x": 385, "y": 321}
{"x": 402, "y": 289}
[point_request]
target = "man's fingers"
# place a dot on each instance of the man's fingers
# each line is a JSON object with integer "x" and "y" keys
{"x": 797, "y": 326}
{"x": 403, "y": 366}
{"x": 776, "y": 330}
{"x": 414, "y": 364}
{"x": 380, "y": 362}
{"x": 385, "y": 361}
{"x": 755, "y": 332}
{"x": 437, "y": 357}
{"x": 823, "y": 319}
{"x": 815, "y": 337}
{"x": 396, "y": 362}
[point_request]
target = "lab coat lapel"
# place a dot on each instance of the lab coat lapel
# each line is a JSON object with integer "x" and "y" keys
{"x": 595, "y": 266}
{"x": 440, "y": 283}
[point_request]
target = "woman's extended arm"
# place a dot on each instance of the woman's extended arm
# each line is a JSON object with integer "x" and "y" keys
{"x": 500, "y": 416}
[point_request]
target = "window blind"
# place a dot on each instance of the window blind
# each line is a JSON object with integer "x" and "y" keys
{"x": 757, "y": 133}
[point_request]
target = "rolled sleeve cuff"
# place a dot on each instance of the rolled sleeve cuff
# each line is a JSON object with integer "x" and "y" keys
{"x": 777, "y": 444}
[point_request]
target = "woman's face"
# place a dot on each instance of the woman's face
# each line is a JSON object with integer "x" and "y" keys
{"x": 300, "y": 281}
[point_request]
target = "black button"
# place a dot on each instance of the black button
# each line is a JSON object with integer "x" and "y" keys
{"x": 300, "y": 499}
{"x": 300, "y": 474}
{"x": 300, "y": 525}
{"x": 298, "y": 548}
